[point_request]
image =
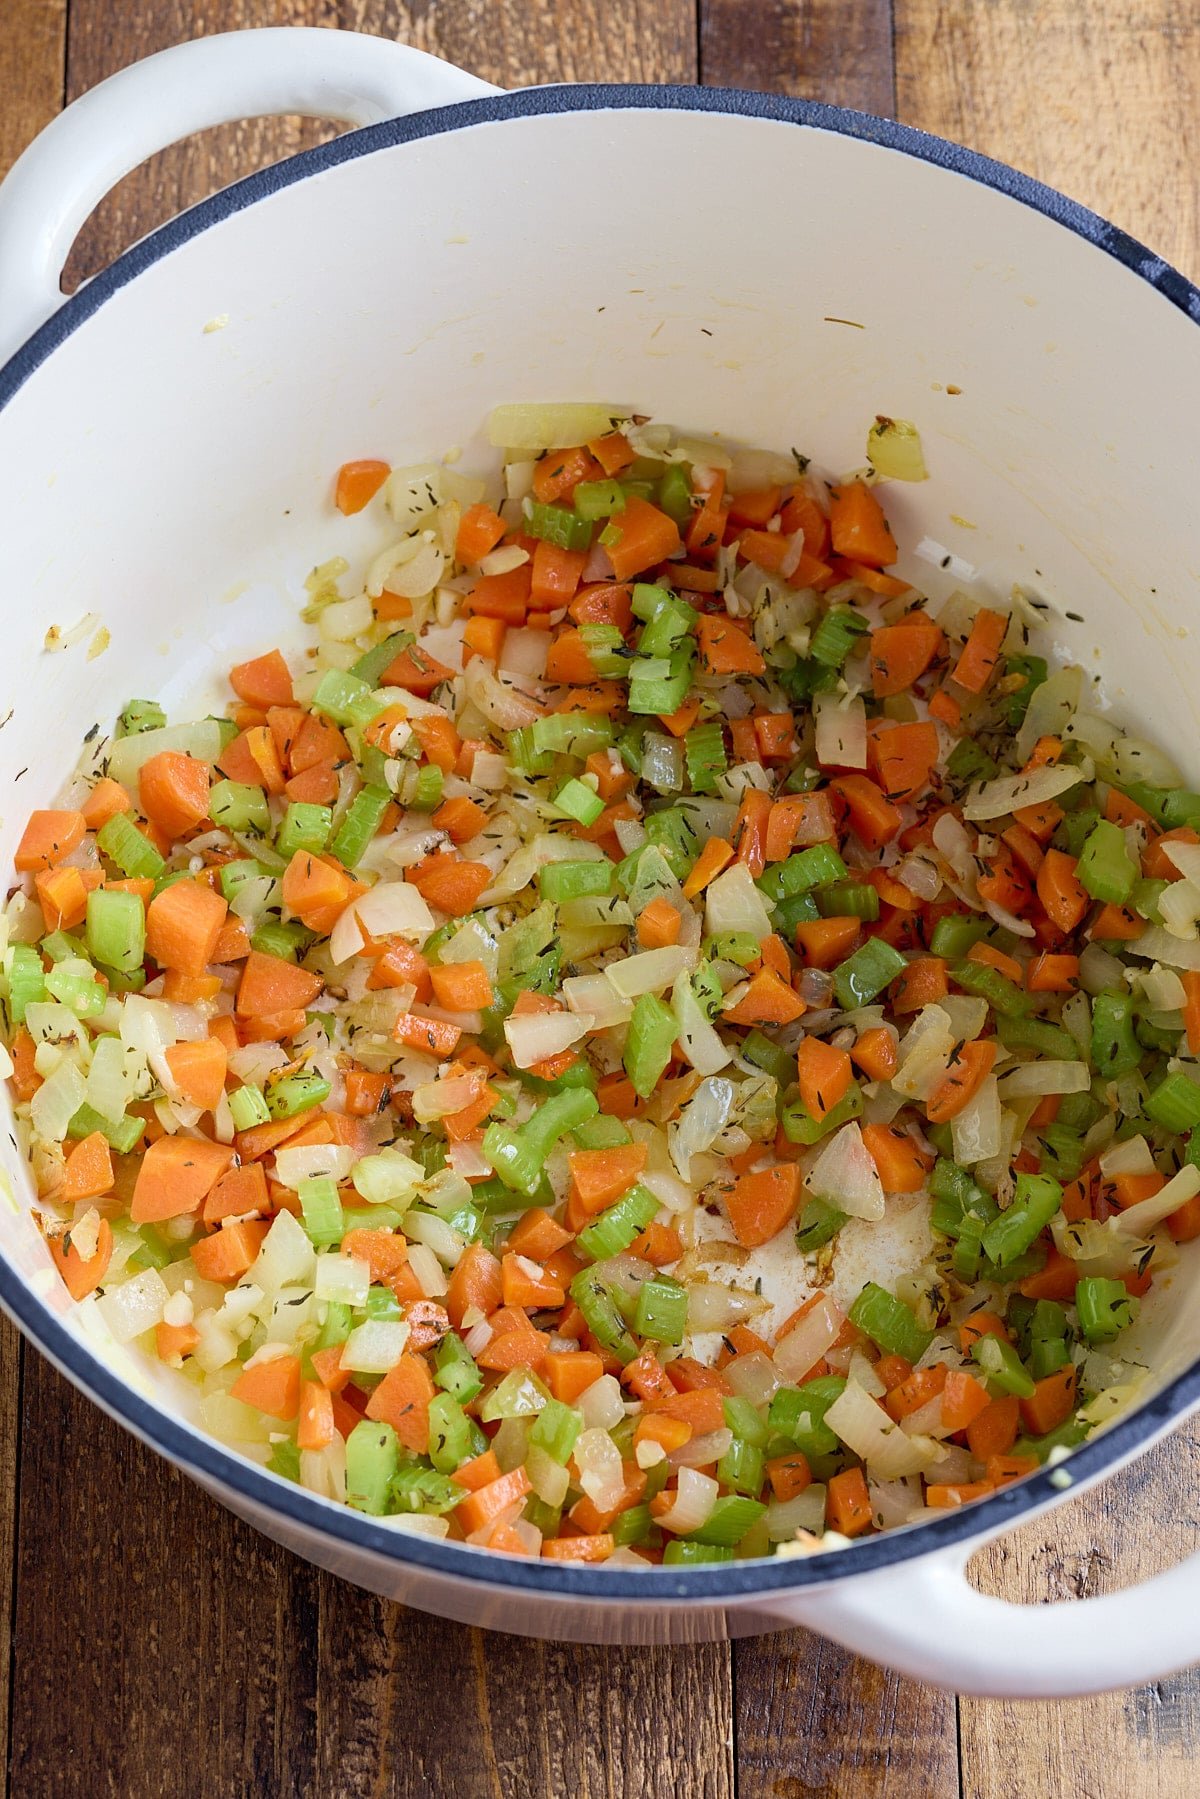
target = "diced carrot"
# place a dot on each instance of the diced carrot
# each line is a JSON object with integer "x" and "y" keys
{"x": 750, "y": 830}
{"x": 182, "y": 926}
{"x": 713, "y": 858}
{"x": 558, "y": 473}
{"x": 659, "y": 924}
{"x": 462, "y": 986}
{"x": 979, "y": 1325}
{"x": 479, "y": 530}
{"x": 1116, "y": 924}
{"x": 825, "y": 1075}
{"x": 570, "y": 1373}
{"x": 875, "y": 1053}
{"x": 642, "y": 535}
{"x": 1056, "y": 1279}
{"x": 173, "y": 791}
{"x": 264, "y": 682}
{"x": 994, "y": 1431}
{"x": 106, "y": 799}
{"x": 767, "y": 1000}
{"x": 483, "y": 637}
{"x": 82, "y": 1276}
{"x": 944, "y": 707}
{"x": 450, "y": 884}
{"x": 433, "y": 1036}
{"x": 1001, "y": 1469}
{"x": 658, "y": 1427}
{"x": 25, "y": 1078}
{"x": 921, "y": 983}
{"x": 963, "y": 1399}
{"x": 62, "y": 894}
{"x": 475, "y": 1284}
{"x": 798, "y": 819}
{"x": 503, "y": 597}
{"x": 908, "y": 1396}
{"x": 402, "y": 1400}
{"x": 556, "y": 575}
{"x": 315, "y": 1428}
{"x": 857, "y": 526}
{"x": 198, "y": 1070}
{"x": 1060, "y": 974}
{"x": 1040, "y": 821}
{"x": 981, "y": 653}
{"x": 1063, "y": 897}
{"x": 600, "y": 1176}
{"x": 892, "y": 1370}
{"x": 1156, "y": 863}
{"x": 273, "y": 1386}
{"x": 233, "y": 942}
{"x": 1051, "y": 1402}
{"x": 701, "y": 1407}
{"x": 760, "y": 1205}
{"x": 271, "y": 984}
{"x": 89, "y": 1170}
{"x": 660, "y": 1244}
{"x": 938, "y": 1494}
{"x": 175, "y": 1176}
{"x": 515, "y": 1349}
{"x": 726, "y": 649}
{"x": 416, "y": 671}
{"x": 873, "y": 817}
{"x": 524, "y": 1283}
{"x": 174, "y": 1341}
{"x": 603, "y": 603}
{"x": 357, "y": 483}
{"x": 827, "y": 941}
{"x": 460, "y": 818}
{"x": 239, "y": 1192}
{"x": 847, "y": 1502}
{"x": 901, "y": 1164}
{"x": 47, "y": 838}
{"x": 890, "y": 586}
{"x": 227, "y": 1253}
{"x": 486, "y": 1504}
{"x": 902, "y": 757}
{"x": 967, "y": 1072}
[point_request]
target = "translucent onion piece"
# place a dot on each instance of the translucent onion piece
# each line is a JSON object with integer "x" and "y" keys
{"x": 805, "y": 1344}
{"x": 995, "y": 799}
{"x": 1157, "y": 945}
{"x": 1138, "y": 1219}
{"x": 1050, "y": 709}
{"x": 1040, "y": 1078}
{"x": 977, "y": 1131}
{"x": 535, "y": 1036}
{"x": 694, "y": 1502}
{"x": 733, "y": 903}
{"x": 845, "y": 1174}
{"x": 841, "y": 730}
{"x": 865, "y": 1427}
{"x": 601, "y": 1472}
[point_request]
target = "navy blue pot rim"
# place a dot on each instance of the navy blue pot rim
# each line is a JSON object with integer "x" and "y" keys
{"x": 246, "y": 1481}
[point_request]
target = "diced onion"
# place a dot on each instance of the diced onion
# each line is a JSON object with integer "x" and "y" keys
{"x": 552, "y": 426}
{"x": 313, "y": 1160}
{"x": 696, "y": 1496}
{"x": 1130, "y": 1157}
{"x": 376, "y": 1346}
{"x": 1139, "y": 1218}
{"x": 134, "y": 1306}
{"x": 995, "y": 799}
{"x": 865, "y": 1427}
{"x": 698, "y": 1040}
{"x": 841, "y": 730}
{"x": 534, "y": 1036}
{"x": 733, "y": 903}
{"x": 650, "y": 972}
{"x": 1157, "y": 945}
{"x": 602, "y": 1405}
{"x": 977, "y": 1131}
{"x": 753, "y": 1376}
{"x": 595, "y": 995}
{"x": 806, "y": 1511}
{"x": 601, "y": 1472}
{"x": 894, "y": 450}
{"x": 712, "y": 1307}
{"x": 343, "y": 1279}
{"x": 805, "y": 1344}
{"x": 1032, "y": 1079}
{"x": 845, "y": 1174}
{"x": 1050, "y": 708}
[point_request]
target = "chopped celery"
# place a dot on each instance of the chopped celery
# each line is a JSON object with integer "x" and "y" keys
{"x": 372, "y": 1461}
{"x": 863, "y": 976}
{"x": 116, "y": 929}
{"x": 617, "y": 1227}
{"x": 1036, "y": 1200}
{"x": 558, "y": 525}
{"x": 360, "y": 824}
{"x": 124, "y": 1134}
{"x": 562, "y": 881}
{"x": 304, "y": 827}
{"x": 1105, "y": 867}
{"x": 649, "y": 1043}
{"x": 248, "y": 1107}
{"x": 889, "y": 1323}
{"x": 236, "y": 806}
{"x": 661, "y": 1309}
{"x": 322, "y": 1209}
{"x": 140, "y": 715}
{"x": 26, "y": 981}
{"x": 121, "y": 841}
{"x": 293, "y": 1093}
{"x": 836, "y": 636}
{"x": 336, "y": 695}
{"x": 731, "y": 1517}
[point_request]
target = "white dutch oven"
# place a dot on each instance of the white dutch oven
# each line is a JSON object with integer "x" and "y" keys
{"x": 377, "y": 297}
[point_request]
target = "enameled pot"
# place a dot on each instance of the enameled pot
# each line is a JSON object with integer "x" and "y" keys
{"x": 166, "y": 438}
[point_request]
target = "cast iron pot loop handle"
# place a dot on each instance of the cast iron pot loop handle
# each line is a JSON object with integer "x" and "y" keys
{"x": 340, "y": 75}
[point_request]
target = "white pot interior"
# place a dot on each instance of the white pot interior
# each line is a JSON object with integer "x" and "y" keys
{"x": 169, "y": 466}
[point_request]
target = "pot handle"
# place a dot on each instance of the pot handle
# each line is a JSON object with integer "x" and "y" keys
{"x": 72, "y": 164}
{"x": 925, "y": 1619}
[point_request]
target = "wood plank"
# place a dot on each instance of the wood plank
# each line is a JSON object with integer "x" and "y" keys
{"x": 160, "y": 1645}
{"x": 815, "y": 49}
{"x": 1103, "y": 1746}
{"x": 32, "y": 61}
{"x": 814, "y": 1722}
{"x": 509, "y": 1718}
{"x": 1101, "y": 101}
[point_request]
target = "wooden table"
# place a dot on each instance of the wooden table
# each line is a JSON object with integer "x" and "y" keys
{"x": 156, "y": 1646}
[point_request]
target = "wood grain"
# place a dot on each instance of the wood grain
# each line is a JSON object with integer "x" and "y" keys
{"x": 1100, "y": 100}
{"x": 32, "y": 63}
{"x": 161, "y": 1647}
{"x": 815, "y": 49}
{"x": 32, "y": 58}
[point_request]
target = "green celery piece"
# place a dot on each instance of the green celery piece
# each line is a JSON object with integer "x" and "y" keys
{"x": 863, "y": 976}
{"x": 236, "y": 806}
{"x": 370, "y": 667}
{"x": 360, "y": 824}
{"x": 1036, "y": 1200}
{"x": 889, "y": 1323}
{"x": 116, "y": 929}
{"x": 661, "y": 1310}
{"x": 558, "y": 525}
{"x": 140, "y": 715}
{"x": 649, "y": 1043}
{"x": 799, "y": 1125}
{"x": 121, "y": 841}
{"x": 1105, "y": 867}
{"x": 305, "y": 827}
{"x": 818, "y": 1224}
{"x": 1115, "y": 1049}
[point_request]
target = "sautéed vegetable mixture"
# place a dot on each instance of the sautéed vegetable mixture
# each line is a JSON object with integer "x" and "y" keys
{"x": 650, "y": 1041}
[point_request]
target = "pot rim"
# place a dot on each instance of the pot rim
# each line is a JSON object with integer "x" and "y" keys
{"x": 205, "y": 1457}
